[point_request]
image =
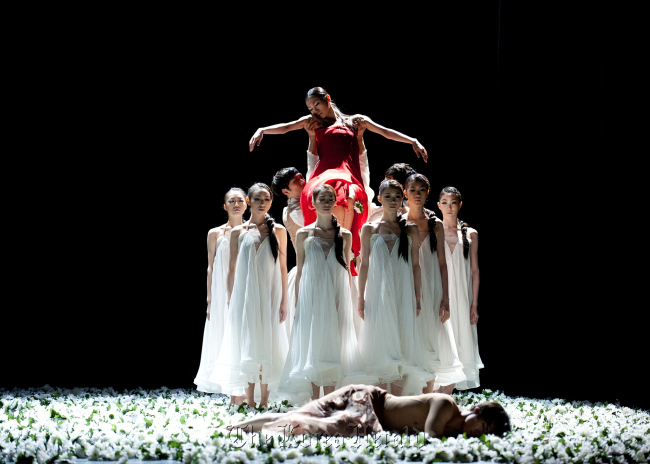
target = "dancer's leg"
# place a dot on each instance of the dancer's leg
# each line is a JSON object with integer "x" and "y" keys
{"x": 250, "y": 394}
{"x": 328, "y": 390}
{"x": 236, "y": 400}
{"x": 395, "y": 389}
{"x": 315, "y": 391}
{"x": 429, "y": 387}
{"x": 449, "y": 389}
{"x": 264, "y": 402}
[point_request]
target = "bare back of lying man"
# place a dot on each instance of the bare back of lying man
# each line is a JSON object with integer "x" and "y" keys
{"x": 358, "y": 410}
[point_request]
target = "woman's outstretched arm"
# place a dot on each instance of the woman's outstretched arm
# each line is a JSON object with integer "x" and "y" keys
{"x": 281, "y": 128}
{"x": 394, "y": 135}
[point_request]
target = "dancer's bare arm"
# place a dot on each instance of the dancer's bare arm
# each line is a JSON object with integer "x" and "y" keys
{"x": 394, "y": 135}
{"x": 366, "y": 232}
{"x": 301, "y": 235}
{"x": 232, "y": 261}
{"x": 281, "y": 128}
{"x": 213, "y": 236}
{"x": 281, "y": 234}
{"x": 412, "y": 231}
{"x": 442, "y": 262}
{"x": 473, "y": 257}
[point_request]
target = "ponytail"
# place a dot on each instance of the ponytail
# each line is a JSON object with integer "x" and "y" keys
{"x": 275, "y": 246}
{"x": 403, "y": 250}
{"x": 431, "y": 221}
{"x": 463, "y": 229}
{"x": 338, "y": 242}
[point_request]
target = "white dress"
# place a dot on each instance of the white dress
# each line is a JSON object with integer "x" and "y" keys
{"x": 293, "y": 220}
{"x": 323, "y": 347}
{"x": 438, "y": 338}
{"x": 390, "y": 343}
{"x": 254, "y": 343}
{"x": 214, "y": 328}
{"x": 460, "y": 301}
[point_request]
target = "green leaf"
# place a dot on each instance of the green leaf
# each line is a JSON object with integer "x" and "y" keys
{"x": 183, "y": 420}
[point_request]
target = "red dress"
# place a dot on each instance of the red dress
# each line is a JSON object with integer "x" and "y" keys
{"x": 338, "y": 166}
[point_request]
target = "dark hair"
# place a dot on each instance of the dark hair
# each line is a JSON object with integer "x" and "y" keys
{"x": 270, "y": 222}
{"x": 495, "y": 417}
{"x": 322, "y": 94}
{"x": 431, "y": 216}
{"x": 338, "y": 237}
{"x": 463, "y": 225}
{"x": 403, "y": 250}
{"x": 400, "y": 172}
{"x": 281, "y": 180}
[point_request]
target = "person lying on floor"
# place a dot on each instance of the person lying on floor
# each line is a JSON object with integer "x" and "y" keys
{"x": 358, "y": 410}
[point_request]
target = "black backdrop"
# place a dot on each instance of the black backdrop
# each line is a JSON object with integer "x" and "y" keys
{"x": 511, "y": 103}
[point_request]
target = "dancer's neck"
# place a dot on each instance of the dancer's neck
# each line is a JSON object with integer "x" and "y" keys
{"x": 450, "y": 222}
{"x": 324, "y": 222}
{"x": 257, "y": 219}
{"x": 416, "y": 213}
{"x": 234, "y": 221}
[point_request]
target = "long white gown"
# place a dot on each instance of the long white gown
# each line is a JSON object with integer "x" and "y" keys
{"x": 214, "y": 328}
{"x": 254, "y": 344}
{"x": 438, "y": 338}
{"x": 293, "y": 220}
{"x": 460, "y": 301}
{"x": 390, "y": 343}
{"x": 323, "y": 346}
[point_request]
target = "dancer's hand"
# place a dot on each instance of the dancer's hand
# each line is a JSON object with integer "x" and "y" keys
{"x": 360, "y": 308}
{"x": 473, "y": 314}
{"x": 360, "y": 124}
{"x": 311, "y": 125}
{"x": 419, "y": 150}
{"x": 444, "y": 310}
{"x": 417, "y": 310}
{"x": 283, "y": 311}
{"x": 207, "y": 312}
{"x": 256, "y": 139}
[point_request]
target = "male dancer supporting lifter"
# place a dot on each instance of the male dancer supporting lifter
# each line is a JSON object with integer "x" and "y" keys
{"x": 361, "y": 409}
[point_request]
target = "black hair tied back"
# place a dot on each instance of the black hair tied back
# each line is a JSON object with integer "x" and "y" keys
{"x": 403, "y": 250}
{"x": 275, "y": 246}
{"x": 338, "y": 242}
{"x": 431, "y": 220}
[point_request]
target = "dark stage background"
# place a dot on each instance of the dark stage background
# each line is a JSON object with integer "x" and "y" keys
{"x": 513, "y": 107}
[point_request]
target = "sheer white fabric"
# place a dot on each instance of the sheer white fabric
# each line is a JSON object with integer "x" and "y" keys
{"x": 293, "y": 220}
{"x": 254, "y": 345}
{"x": 312, "y": 161}
{"x": 323, "y": 346}
{"x": 214, "y": 328}
{"x": 438, "y": 338}
{"x": 365, "y": 175}
{"x": 460, "y": 300}
{"x": 390, "y": 344}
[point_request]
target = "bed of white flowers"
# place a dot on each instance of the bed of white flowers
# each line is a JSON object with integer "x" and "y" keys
{"x": 46, "y": 424}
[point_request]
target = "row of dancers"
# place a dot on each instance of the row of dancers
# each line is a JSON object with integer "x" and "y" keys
{"x": 415, "y": 294}
{"x": 414, "y": 328}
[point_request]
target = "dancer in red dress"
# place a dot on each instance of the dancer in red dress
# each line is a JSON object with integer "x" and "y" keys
{"x": 333, "y": 137}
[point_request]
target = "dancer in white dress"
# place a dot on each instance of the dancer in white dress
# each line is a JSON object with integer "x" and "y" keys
{"x": 323, "y": 348}
{"x": 254, "y": 346}
{"x": 218, "y": 254}
{"x": 289, "y": 182}
{"x": 461, "y": 250}
{"x": 435, "y": 327}
{"x": 390, "y": 343}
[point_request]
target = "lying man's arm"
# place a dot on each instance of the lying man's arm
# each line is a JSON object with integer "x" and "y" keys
{"x": 441, "y": 412}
